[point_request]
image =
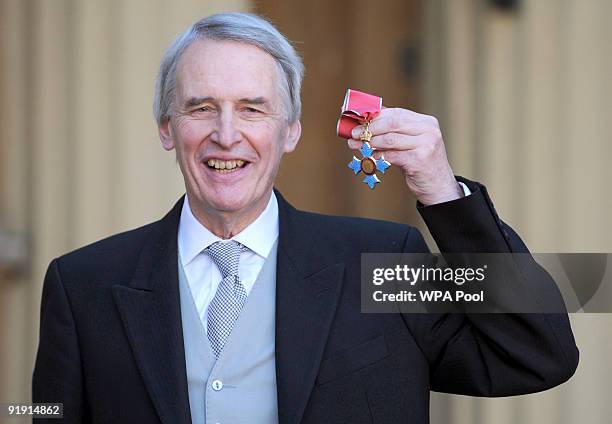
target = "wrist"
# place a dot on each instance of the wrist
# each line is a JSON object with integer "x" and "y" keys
{"x": 453, "y": 192}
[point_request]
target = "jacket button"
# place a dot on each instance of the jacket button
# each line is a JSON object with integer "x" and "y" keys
{"x": 217, "y": 385}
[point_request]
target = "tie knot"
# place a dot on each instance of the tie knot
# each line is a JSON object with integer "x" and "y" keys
{"x": 226, "y": 256}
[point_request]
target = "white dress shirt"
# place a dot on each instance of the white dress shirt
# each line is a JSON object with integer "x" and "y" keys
{"x": 203, "y": 276}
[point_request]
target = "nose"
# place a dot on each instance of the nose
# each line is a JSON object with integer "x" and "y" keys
{"x": 226, "y": 133}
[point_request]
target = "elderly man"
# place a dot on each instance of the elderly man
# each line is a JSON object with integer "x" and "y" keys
{"x": 238, "y": 308}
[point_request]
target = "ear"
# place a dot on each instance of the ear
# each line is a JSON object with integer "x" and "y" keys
{"x": 295, "y": 131}
{"x": 166, "y": 134}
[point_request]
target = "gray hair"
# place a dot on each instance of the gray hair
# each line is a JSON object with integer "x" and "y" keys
{"x": 244, "y": 28}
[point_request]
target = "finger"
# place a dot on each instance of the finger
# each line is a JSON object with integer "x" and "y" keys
{"x": 386, "y": 125}
{"x": 397, "y": 141}
{"x": 399, "y": 120}
{"x": 404, "y": 121}
{"x": 393, "y": 141}
{"x": 401, "y": 159}
{"x": 354, "y": 144}
{"x": 405, "y": 114}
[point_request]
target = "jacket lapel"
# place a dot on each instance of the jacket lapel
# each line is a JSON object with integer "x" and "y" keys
{"x": 308, "y": 288}
{"x": 150, "y": 309}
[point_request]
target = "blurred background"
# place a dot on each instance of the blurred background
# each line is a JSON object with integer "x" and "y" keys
{"x": 522, "y": 89}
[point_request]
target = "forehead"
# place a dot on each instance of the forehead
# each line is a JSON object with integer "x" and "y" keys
{"x": 226, "y": 70}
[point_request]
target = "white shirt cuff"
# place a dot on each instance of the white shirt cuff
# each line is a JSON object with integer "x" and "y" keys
{"x": 466, "y": 190}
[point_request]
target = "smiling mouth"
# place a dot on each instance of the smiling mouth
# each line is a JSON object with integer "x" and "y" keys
{"x": 225, "y": 166}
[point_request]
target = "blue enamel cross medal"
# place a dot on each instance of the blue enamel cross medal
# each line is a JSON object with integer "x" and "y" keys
{"x": 368, "y": 164}
{"x": 359, "y": 107}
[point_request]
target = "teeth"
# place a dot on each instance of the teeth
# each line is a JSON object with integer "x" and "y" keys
{"x": 227, "y": 165}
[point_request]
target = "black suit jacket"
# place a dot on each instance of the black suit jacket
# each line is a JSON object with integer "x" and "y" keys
{"x": 111, "y": 342}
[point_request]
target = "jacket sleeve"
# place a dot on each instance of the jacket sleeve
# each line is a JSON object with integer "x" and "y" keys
{"x": 58, "y": 374}
{"x": 490, "y": 354}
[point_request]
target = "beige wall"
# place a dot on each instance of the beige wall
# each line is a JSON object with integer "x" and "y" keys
{"x": 525, "y": 100}
{"x": 80, "y": 154}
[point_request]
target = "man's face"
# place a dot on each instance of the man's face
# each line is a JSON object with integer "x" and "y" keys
{"x": 228, "y": 126}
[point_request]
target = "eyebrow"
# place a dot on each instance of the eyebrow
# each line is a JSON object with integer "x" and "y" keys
{"x": 254, "y": 101}
{"x": 194, "y": 101}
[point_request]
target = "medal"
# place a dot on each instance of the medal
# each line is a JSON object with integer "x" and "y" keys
{"x": 368, "y": 164}
{"x": 361, "y": 108}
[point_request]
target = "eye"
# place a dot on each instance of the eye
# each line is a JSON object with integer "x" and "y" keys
{"x": 203, "y": 109}
{"x": 251, "y": 110}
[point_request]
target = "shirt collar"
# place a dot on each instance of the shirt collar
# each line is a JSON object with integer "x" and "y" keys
{"x": 259, "y": 236}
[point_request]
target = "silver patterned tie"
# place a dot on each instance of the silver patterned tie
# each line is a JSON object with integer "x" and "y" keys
{"x": 225, "y": 307}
